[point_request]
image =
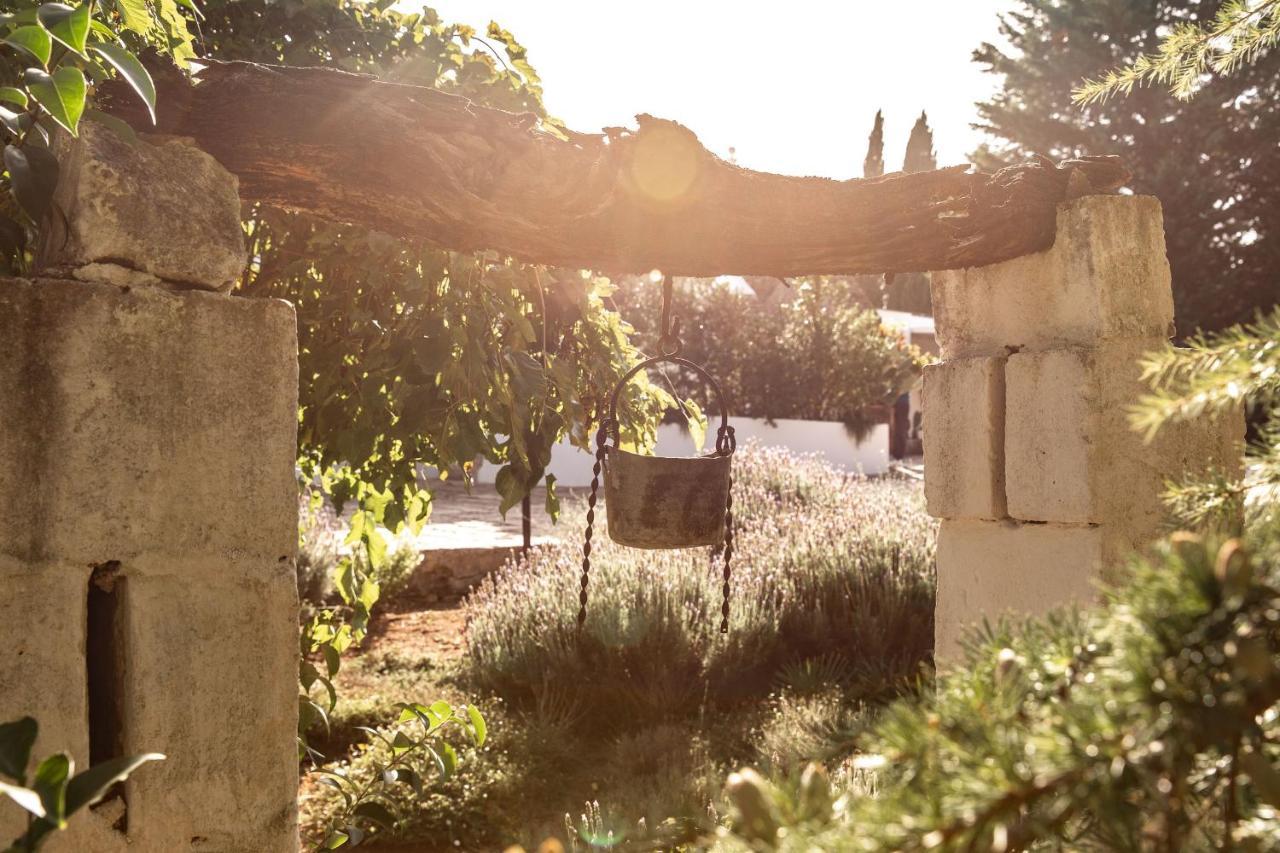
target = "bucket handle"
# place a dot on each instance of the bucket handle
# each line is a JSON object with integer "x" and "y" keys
{"x": 726, "y": 443}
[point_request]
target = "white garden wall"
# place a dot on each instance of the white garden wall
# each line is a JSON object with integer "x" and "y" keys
{"x": 829, "y": 439}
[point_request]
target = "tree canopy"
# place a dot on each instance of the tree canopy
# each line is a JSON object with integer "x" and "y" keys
{"x": 1209, "y": 160}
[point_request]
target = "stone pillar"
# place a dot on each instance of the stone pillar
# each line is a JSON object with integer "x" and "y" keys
{"x": 1041, "y": 485}
{"x": 148, "y": 515}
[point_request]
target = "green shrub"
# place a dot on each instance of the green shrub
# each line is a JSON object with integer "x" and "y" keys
{"x": 815, "y": 353}
{"x": 824, "y": 563}
{"x": 321, "y": 549}
{"x": 1150, "y": 724}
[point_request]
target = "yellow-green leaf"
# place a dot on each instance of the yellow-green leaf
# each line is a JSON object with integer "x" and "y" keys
{"x": 68, "y": 24}
{"x": 62, "y": 94}
{"x": 14, "y": 96}
{"x": 34, "y": 40}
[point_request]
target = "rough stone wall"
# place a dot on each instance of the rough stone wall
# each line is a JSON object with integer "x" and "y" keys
{"x": 148, "y": 437}
{"x": 1041, "y": 485}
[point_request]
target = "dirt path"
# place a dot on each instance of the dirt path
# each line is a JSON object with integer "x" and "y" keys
{"x": 437, "y": 629}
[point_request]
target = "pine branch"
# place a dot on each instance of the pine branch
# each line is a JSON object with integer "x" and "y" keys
{"x": 1240, "y": 33}
{"x": 1211, "y": 376}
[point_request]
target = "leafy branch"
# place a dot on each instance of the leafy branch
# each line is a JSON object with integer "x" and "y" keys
{"x": 54, "y": 791}
{"x": 419, "y": 738}
{"x": 1239, "y": 33}
{"x": 53, "y": 56}
{"x": 1211, "y": 375}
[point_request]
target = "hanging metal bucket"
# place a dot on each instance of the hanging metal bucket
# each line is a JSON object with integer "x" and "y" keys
{"x": 664, "y": 501}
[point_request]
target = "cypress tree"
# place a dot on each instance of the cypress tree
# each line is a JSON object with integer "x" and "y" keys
{"x": 920, "y": 156}
{"x": 873, "y": 165}
{"x": 910, "y": 291}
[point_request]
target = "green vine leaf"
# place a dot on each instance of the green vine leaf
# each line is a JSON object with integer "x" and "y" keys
{"x": 26, "y": 798}
{"x": 376, "y": 812}
{"x": 136, "y": 15}
{"x": 62, "y": 94}
{"x": 14, "y": 96}
{"x": 50, "y": 782}
{"x": 33, "y": 175}
{"x": 34, "y": 40}
{"x": 89, "y": 786}
{"x": 68, "y": 25}
{"x": 134, "y": 73}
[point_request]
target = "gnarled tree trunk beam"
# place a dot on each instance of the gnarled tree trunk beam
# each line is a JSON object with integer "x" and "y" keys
{"x": 421, "y": 163}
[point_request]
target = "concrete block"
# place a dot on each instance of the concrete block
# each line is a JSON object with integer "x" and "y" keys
{"x": 990, "y": 568}
{"x": 1070, "y": 453}
{"x": 964, "y": 438}
{"x": 1105, "y": 277}
{"x": 128, "y": 205}
{"x": 145, "y": 421}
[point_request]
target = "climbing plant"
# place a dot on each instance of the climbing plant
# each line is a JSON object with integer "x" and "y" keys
{"x": 411, "y": 356}
{"x": 52, "y": 58}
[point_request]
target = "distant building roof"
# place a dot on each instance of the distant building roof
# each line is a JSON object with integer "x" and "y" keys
{"x": 912, "y": 324}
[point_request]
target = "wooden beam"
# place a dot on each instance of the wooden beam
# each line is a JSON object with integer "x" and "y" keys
{"x": 420, "y": 163}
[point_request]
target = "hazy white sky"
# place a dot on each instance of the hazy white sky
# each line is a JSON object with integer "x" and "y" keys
{"x": 793, "y": 85}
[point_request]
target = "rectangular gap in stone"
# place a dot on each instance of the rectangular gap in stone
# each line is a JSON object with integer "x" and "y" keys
{"x": 104, "y": 664}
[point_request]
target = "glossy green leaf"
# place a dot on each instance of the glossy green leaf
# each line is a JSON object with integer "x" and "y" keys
{"x": 133, "y": 71}
{"x": 34, "y": 40}
{"x": 411, "y": 778}
{"x": 68, "y": 24}
{"x": 50, "y": 781}
{"x": 88, "y": 787}
{"x": 14, "y": 96}
{"x": 136, "y": 15}
{"x": 33, "y": 176}
{"x": 376, "y": 812}
{"x": 510, "y": 487}
{"x": 332, "y": 660}
{"x": 24, "y": 797}
{"x": 552, "y": 502}
{"x": 17, "y": 738}
{"x": 335, "y": 840}
{"x": 401, "y": 744}
{"x": 62, "y": 94}
{"x": 478, "y": 726}
{"x": 13, "y": 121}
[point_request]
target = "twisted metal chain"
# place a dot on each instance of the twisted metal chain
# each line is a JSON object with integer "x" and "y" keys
{"x": 728, "y": 443}
{"x": 602, "y": 436}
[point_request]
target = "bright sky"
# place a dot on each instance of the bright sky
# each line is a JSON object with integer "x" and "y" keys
{"x": 793, "y": 85}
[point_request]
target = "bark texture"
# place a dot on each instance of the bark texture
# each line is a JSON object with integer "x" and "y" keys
{"x": 417, "y": 162}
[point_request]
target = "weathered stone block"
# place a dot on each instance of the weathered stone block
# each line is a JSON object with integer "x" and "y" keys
{"x": 151, "y": 434}
{"x": 145, "y": 421}
{"x": 211, "y": 682}
{"x": 42, "y": 674}
{"x": 1105, "y": 277}
{"x": 964, "y": 438}
{"x": 129, "y": 213}
{"x": 1070, "y": 453}
{"x": 990, "y": 568}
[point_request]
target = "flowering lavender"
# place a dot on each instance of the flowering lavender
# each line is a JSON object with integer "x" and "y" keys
{"x": 824, "y": 562}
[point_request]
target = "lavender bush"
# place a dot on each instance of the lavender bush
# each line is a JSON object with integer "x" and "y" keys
{"x": 826, "y": 564}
